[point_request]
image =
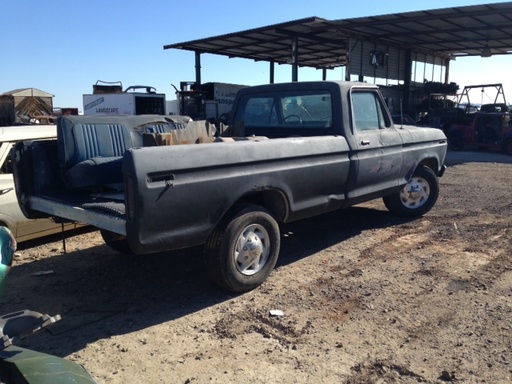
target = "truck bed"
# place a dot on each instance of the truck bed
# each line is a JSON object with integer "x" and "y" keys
{"x": 99, "y": 210}
{"x": 87, "y": 176}
{"x": 83, "y": 177}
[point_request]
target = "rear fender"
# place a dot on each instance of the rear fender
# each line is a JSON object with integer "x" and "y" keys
{"x": 274, "y": 200}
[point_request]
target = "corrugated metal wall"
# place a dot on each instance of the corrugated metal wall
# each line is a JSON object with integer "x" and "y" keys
{"x": 378, "y": 61}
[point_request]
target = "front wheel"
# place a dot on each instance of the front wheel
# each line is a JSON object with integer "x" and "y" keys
{"x": 243, "y": 249}
{"x": 456, "y": 143}
{"x": 417, "y": 197}
{"x": 508, "y": 147}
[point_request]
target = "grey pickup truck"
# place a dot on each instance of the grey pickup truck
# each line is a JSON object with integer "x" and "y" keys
{"x": 286, "y": 152}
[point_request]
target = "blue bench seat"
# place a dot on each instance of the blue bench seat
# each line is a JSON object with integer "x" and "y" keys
{"x": 91, "y": 148}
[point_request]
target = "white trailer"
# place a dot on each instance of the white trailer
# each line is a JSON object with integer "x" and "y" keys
{"x": 128, "y": 102}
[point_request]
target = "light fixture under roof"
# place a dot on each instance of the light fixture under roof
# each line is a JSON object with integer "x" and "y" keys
{"x": 486, "y": 52}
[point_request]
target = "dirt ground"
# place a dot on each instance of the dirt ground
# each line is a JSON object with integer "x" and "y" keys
{"x": 365, "y": 298}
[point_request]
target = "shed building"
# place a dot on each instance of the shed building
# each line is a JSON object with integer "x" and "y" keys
{"x": 24, "y": 106}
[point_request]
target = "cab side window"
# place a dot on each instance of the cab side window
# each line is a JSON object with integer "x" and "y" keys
{"x": 367, "y": 111}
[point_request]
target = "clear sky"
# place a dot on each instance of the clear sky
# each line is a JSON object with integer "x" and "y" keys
{"x": 64, "y": 46}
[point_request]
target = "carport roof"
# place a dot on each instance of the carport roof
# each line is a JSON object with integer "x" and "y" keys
{"x": 448, "y": 33}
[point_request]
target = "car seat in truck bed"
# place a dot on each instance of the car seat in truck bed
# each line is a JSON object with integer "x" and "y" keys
{"x": 91, "y": 148}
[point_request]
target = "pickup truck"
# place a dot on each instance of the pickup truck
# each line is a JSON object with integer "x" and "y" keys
{"x": 286, "y": 152}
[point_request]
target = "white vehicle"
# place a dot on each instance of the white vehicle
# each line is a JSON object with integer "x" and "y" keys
{"x": 10, "y": 213}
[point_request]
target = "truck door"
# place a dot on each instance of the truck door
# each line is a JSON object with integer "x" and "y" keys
{"x": 378, "y": 159}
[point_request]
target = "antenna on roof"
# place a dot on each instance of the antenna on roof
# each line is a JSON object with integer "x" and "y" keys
{"x": 401, "y": 115}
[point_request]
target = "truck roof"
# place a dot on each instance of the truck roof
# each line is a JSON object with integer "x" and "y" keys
{"x": 343, "y": 85}
{"x": 27, "y": 132}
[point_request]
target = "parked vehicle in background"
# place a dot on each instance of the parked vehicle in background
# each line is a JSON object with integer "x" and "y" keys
{"x": 487, "y": 130}
{"x": 108, "y": 99}
{"x": 490, "y": 127}
{"x": 208, "y": 101}
{"x": 10, "y": 214}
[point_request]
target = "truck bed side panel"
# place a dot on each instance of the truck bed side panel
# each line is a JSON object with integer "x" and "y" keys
{"x": 211, "y": 178}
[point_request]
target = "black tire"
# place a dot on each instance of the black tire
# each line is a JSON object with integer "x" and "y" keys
{"x": 243, "y": 249}
{"x": 456, "y": 143}
{"x": 507, "y": 147}
{"x": 417, "y": 197}
{"x": 117, "y": 242}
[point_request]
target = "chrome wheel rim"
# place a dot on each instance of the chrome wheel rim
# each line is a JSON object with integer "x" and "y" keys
{"x": 252, "y": 249}
{"x": 415, "y": 193}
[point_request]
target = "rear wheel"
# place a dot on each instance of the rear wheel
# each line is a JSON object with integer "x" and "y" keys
{"x": 115, "y": 241}
{"x": 417, "y": 197}
{"x": 243, "y": 249}
{"x": 508, "y": 147}
{"x": 456, "y": 143}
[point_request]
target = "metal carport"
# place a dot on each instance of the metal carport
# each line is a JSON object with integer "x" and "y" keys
{"x": 382, "y": 46}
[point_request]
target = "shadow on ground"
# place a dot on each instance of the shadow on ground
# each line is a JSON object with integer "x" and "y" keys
{"x": 101, "y": 293}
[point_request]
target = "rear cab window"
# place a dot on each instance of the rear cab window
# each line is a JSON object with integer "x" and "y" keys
{"x": 296, "y": 112}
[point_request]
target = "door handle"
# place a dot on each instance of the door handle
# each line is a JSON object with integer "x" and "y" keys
{"x": 365, "y": 142}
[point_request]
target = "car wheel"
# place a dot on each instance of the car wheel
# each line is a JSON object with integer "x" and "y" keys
{"x": 117, "y": 242}
{"x": 243, "y": 249}
{"x": 417, "y": 197}
{"x": 508, "y": 147}
{"x": 456, "y": 143}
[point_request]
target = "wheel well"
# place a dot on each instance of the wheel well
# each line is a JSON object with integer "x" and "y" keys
{"x": 274, "y": 200}
{"x": 431, "y": 163}
{"x": 6, "y": 221}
